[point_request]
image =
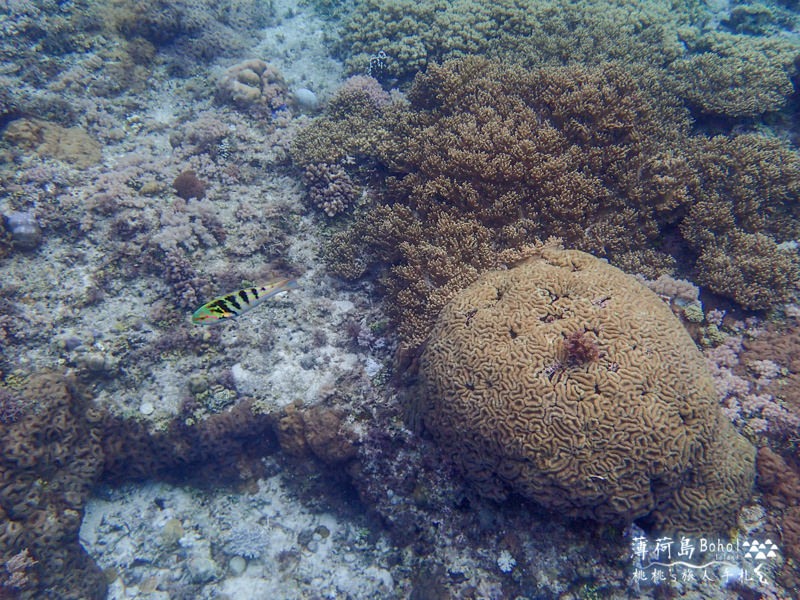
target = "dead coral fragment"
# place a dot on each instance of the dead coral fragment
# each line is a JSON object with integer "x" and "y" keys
{"x": 581, "y": 348}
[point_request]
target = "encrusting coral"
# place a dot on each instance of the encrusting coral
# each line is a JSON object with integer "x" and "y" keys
{"x": 632, "y": 430}
{"x": 50, "y": 461}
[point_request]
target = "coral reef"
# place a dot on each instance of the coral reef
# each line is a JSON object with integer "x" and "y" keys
{"x": 51, "y": 140}
{"x": 191, "y": 29}
{"x": 780, "y": 484}
{"x": 412, "y": 35}
{"x": 731, "y": 74}
{"x": 613, "y": 438}
{"x": 352, "y": 126}
{"x": 52, "y": 456}
{"x": 745, "y": 204}
{"x": 489, "y": 158}
{"x": 50, "y": 461}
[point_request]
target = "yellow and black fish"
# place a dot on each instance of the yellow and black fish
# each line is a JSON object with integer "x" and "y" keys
{"x": 235, "y": 303}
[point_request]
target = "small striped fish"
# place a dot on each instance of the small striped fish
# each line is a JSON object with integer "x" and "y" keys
{"x": 235, "y": 303}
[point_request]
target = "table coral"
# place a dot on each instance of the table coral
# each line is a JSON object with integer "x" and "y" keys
{"x": 635, "y": 433}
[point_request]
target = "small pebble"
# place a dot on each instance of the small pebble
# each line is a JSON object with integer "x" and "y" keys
{"x": 322, "y": 531}
{"x": 148, "y": 586}
{"x": 173, "y": 531}
{"x": 306, "y": 99}
{"x": 95, "y": 362}
{"x": 197, "y": 383}
{"x": 71, "y": 343}
{"x": 24, "y": 230}
{"x": 202, "y": 569}
{"x": 146, "y": 408}
{"x": 237, "y": 565}
{"x": 349, "y": 557}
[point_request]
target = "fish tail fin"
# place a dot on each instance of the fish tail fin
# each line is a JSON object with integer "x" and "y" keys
{"x": 290, "y": 284}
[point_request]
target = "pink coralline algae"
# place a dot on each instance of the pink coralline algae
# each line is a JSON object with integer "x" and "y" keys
{"x": 741, "y": 402}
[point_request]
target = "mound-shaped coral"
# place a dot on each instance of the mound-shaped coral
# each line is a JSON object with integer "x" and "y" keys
{"x": 253, "y": 83}
{"x": 572, "y": 384}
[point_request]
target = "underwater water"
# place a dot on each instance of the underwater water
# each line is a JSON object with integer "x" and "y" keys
{"x": 380, "y": 299}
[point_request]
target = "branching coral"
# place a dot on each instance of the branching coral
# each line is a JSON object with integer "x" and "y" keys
{"x": 330, "y": 188}
{"x": 414, "y": 34}
{"x": 51, "y": 458}
{"x": 488, "y": 158}
{"x": 745, "y": 194}
{"x": 728, "y": 74}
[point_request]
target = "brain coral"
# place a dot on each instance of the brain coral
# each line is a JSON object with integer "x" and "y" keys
{"x": 633, "y": 433}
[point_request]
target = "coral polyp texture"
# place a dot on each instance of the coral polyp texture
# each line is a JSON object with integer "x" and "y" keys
{"x": 634, "y": 433}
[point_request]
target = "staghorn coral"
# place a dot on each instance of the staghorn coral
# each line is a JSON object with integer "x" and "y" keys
{"x": 737, "y": 75}
{"x": 634, "y": 433}
{"x": 414, "y": 34}
{"x": 730, "y": 74}
{"x": 352, "y": 126}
